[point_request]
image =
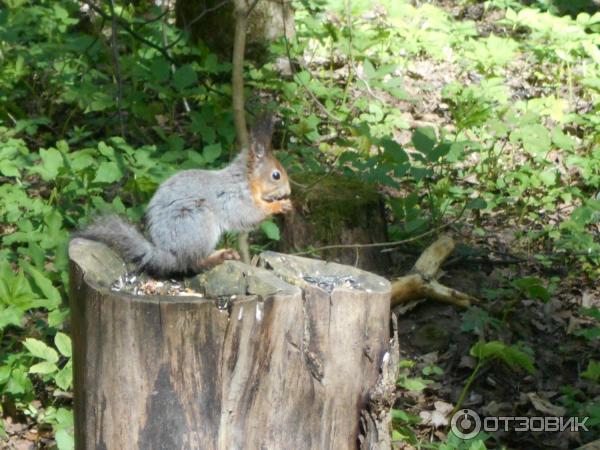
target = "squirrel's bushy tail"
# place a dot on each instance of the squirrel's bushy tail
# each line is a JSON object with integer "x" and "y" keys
{"x": 129, "y": 243}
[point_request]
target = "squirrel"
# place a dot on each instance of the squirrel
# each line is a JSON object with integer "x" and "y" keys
{"x": 192, "y": 209}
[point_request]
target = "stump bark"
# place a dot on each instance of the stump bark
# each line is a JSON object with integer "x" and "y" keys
{"x": 288, "y": 355}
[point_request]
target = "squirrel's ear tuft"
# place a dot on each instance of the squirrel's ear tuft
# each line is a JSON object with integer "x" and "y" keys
{"x": 261, "y": 133}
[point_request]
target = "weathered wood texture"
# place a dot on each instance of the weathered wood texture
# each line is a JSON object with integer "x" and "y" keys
{"x": 287, "y": 365}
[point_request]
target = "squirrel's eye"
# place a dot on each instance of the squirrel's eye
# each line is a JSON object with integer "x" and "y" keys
{"x": 276, "y": 175}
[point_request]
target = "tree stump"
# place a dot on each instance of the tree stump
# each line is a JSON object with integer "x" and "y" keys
{"x": 289, "y": 355}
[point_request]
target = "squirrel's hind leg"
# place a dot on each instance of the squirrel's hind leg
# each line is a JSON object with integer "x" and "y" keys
{"x": 216, "y": 258}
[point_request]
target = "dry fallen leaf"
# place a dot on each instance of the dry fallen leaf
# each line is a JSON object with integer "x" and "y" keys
{"x": 544, "y": 406}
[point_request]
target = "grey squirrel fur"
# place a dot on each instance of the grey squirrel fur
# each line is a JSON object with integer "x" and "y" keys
{"x": 191, "y": 210}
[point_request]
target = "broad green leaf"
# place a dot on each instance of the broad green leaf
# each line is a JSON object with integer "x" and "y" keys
{"x": 57, "y": 317}
{"x": 64, "y": 378}
{"x": 18, "y": 383}
{"x": 40, "y": 350}
{"x": 562, "y": 140}
{"x": 8, "y": 168}
{"x": 535, "y": 138}
{"x": 64, "y": 417}
{"x": 43, "y": 368}
{"x": 591, "y": 312}
{"x": 414, "y": 384}
{"x": 63, "y": 343}
{"x": 10, "y": 315}
{"x": 476, "y": 203}
{"x": 548, "y": 177}
{"x": 510, "y": 355}
{"x": 160, "y": 70}
{"x": 81, "y": 160}
{"x": 14, "y": 289}
{"x": 592, "y": 372}
{"x": 401, "y": 415}
{"x": 394, "y": 151}
{"x": 5, "y": 373}
{"x": 44, "y": 285}
{"x": 64, "y": 440}
{"x": 588, "y": 333}
{"x": 108, "y": 172}
{"x": 271, "y": 230}
{"x": 50, "y": 162}
{"x": 184, "y": 77}
{"x": 211, "y": 152}
{"x": 424, "y": 139}
{"x": 532, "y": 287}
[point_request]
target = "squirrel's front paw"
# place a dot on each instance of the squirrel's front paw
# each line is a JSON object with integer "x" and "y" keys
{"x": 285, "y": 206}
{"x": 227, "y": 253}
{"x": 215, "y": 258}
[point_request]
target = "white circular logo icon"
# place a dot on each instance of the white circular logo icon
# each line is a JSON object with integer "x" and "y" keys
{"x": 465, "y": 424}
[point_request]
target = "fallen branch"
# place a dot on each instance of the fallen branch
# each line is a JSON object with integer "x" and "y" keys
{"x": 421, "y": 281}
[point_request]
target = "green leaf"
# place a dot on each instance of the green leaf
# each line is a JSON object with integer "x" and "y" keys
{"x": 14, "y": 289}
{"x": 588, "y": 333}
{"x": 535, "y": 138}
{"x": 591, "y": 312}
{"x": 81, "y": 160}
{"x": 64, "y": 378}
{"x": 43, "y": 368}
{"x": 18, "y": 383}
{"x": 548, "y": 177}
{"x": 561, "y": 140}
{"x": 270, "y": 229}
{"x": 64, "y": 440}
{"x": 11, "y": 315}
{"x": 44, "y": 285}
{"x": 160, "y": 70}
{"x": 424, "y": 139}
{"x": 64, "y": 418}
{"x": 532, "y": 287}
{"x": 476, "y": 319}
{"x": 8, "y": 168}
{"x": 57, "y": 317}
{"x": 476, "y": 203}
{"x": 414, "y": 384}
{"x": 63, "y": 343}
{"x": 403, "y": 416}
{"x": 108, "y": 172}
{"x": 394, "y": 151}
{"x": 50, "y": 162}
{"x": 510, "y": 355}
{"x": 211, "y": 152}
{"x": 592, "y": 372}
{"x": 40, "y": 350}
{"x": 184, "y": 77}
